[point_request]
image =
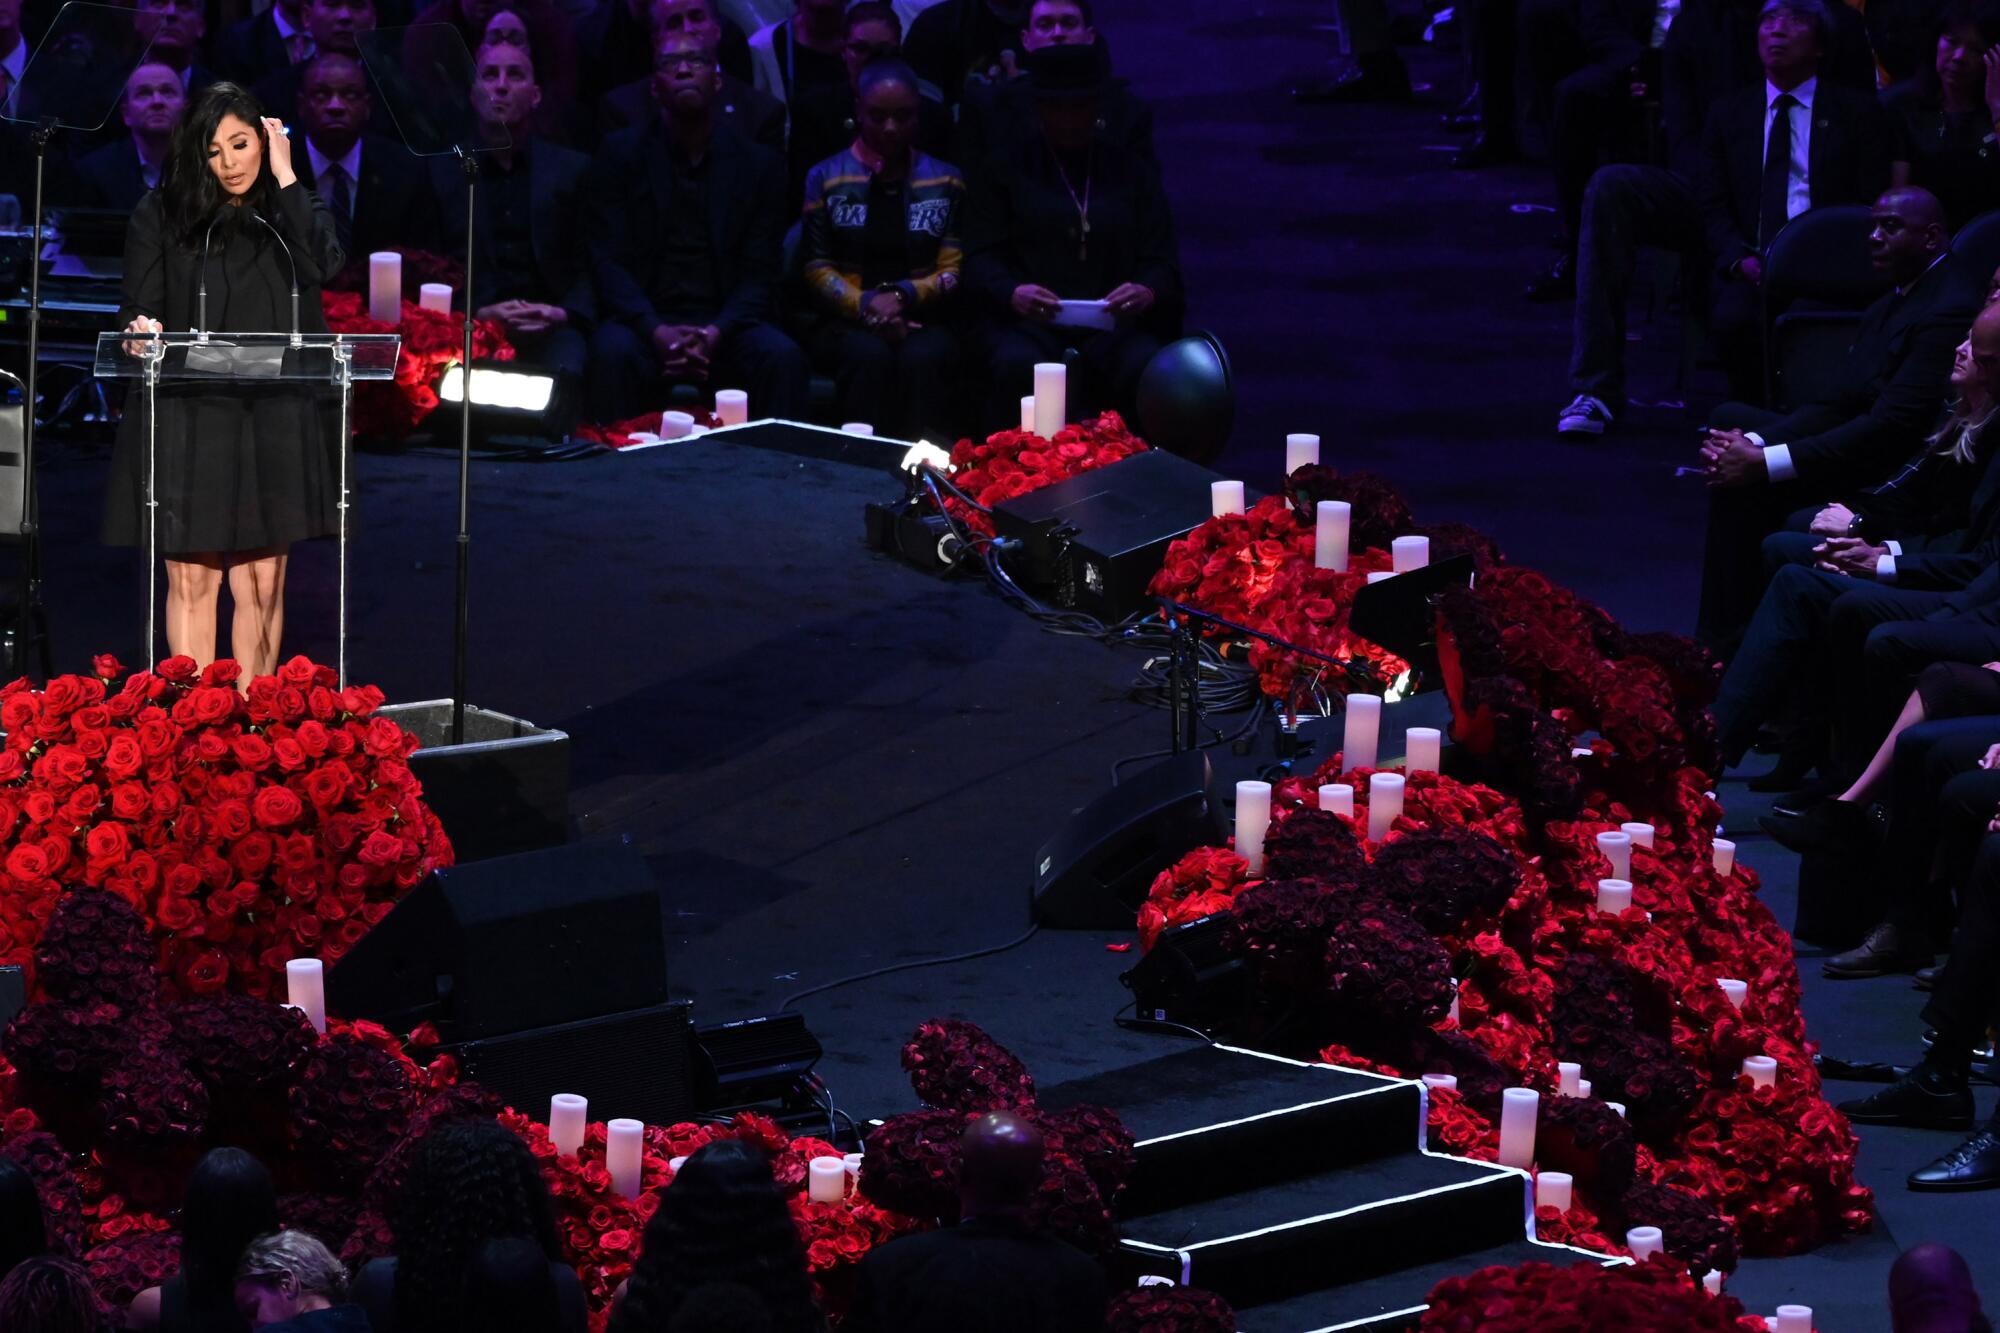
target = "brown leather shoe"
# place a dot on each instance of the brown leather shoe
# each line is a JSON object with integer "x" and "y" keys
{"x": 1887, "y": 950}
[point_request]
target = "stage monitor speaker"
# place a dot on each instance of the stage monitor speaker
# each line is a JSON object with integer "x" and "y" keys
{"x": 1095, "y": 872}
{"x": 1097, "y": 539}
{"x": 1190, "y": 980}
{"x": 513, "y": 944}
{"x": 634, "y": 1064}
{"x": 752, "y": 1060}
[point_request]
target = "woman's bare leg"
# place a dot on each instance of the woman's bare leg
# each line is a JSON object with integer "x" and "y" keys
{"x": 194, "y": 586}
{"x": 257, "y": 584}
{"x": 1872, "y": 776}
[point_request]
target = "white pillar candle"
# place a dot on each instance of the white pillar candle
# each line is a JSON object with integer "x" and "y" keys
{"x": 435, "y": 296}
{"x": 1794, "y": 1319}
{"x": 1408, "y": 553}
{"x": 1711, "y": 1282}
{"x": 1737, "y": 991}
{"x": 624, "y": 1145}
{"x": 827, "y": 1180}
{"x": 1725, "y": 856}
{"x": 1761, "y": 1070}
{"x": 305, "y": 988}
{"x": 1334, "y": 522}
{"x": 1051, "y": 398}
{"x": 1337, "y": 798}
{"x": 1253, "y": 819}
{"x": 675, "y": 425}
{"x": 1423, "y": 749}
{"x": 1225, "y": 497}
{"x": 1300, "y": 451}
{"x": 1377, "y": 575}
{"x": 858, "y": 428}
{"x": 1583, "y": 1087}
{"x": 1644, "y": 1242}
{"x": 1553, "y": 1189}
{"x": 1571, "y": 1076}
{"x": 1641, "y": 834}
{"x": 385, "y": 287}
{"x": 732, "y": 406}
{"x": 1449, "y": 1082}
{"x": 1028, "y": 415}
{"x": 1385, "y": 803}
{"x": 852, "y": 1161}
{"x": 1453, "y": 1012}
{"x": 1362, "y": 731}
{"x": 1518, "y": 1109}
{"x": 674, "y": 1164}
{"x": 567, "y": 1113}
{"x": 1613, "y": 896}
{"x": 1617, "y": 848}
{"x": 1619, "y": 1107}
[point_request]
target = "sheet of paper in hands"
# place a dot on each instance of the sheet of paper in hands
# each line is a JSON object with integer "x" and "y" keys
{"x": 1085, "y": 315}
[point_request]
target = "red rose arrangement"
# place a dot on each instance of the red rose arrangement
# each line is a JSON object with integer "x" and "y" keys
{"x": 432, "y": 340}
{"x": 1014, "y": 462}
{"x": 1160, "y": 1309}
{"x": 245, "y": 826}
{"x": 1652, "y": 1297}
{"x": 618, "y": 435}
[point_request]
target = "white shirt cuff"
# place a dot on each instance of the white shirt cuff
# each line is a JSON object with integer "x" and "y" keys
{"x": 1777, "y": 462}
{"x": 1754, "y": 438}
{"x": 1885, "y": 569}
{"x": 1895, "y": 547}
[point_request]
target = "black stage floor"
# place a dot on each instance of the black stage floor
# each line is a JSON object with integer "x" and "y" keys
{"x": 836, "y": 763}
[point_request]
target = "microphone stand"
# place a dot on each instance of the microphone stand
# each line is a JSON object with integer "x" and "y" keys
{"x": 31, "y": 635}
{"x": 462, "y": 633}
{"x": 1185, "y": 663}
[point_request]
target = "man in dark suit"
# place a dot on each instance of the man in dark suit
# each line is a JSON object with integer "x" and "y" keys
{"x": 378, "y": 191}
{"x": 990, "y": 1273}
{"x": 119, "y": 174}
{"x": 749, "y": 110}
{"x": 267, "y": 41}
{"x": 176, "y": 28}
{"x": 1762, "y": 465}
{"x": 530, "y": 274}
{"x": 687, "y": 238}
{"x": 335, "y": 27}
{"x": 616, "y": 40}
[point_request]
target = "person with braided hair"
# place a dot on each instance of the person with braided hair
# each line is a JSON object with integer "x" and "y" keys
{"x": 52, "y": 1296}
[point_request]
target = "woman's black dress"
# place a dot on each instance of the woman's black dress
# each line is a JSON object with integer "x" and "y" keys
{"x": 257, "y": 465}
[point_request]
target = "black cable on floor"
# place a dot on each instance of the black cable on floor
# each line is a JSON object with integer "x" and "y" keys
{"x": 987, "y": 952}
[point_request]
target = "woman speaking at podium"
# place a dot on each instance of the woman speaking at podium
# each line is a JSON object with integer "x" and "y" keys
{"x": 243, "y": 469}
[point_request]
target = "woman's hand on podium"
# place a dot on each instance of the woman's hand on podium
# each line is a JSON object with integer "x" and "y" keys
{"x": 142, "y": 325}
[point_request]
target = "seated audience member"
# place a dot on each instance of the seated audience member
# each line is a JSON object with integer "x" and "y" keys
{"x": 119, "y": 174}
{"x": 1071, "y": 216}
{"x": 721, "y": 1220}
{"x": 536, "y": 25}
{"x": 532, "y": 275}
{"x": 723, "y": 1307}
{"x": 176, "y": 28}
{"x": 23, "y": 1234}
{"x": 794, "y": 56}
{"x": 687, "y": 238}
{"x": 336, "y": 27}
{"x": 616, "y": 41}
{"x": 990, "y": 1273}
{"x": 824, "y": 120}
{"x": 470, "y": 1181}
{"x": 954, "y": 41}
{"x": 509, "y": 1288}
{"x": 52, "y": 1296}
{"x": 268, "y": 40}
{"x": 752, "y": 113}
{"x": 230, "y": 1202}
{"x": 1786, "y": 636}
{"x": 290, "y": 1283}
{"x": 1931, "y": 1291}
{"x": 378, "y": 191}
{"x": 1943, "y": 119}
{"x": 882, "y": 258}
{"x": 1748, "y": 190}
{"x": 993, "y": 109}
{"x": 1762, "y": 465}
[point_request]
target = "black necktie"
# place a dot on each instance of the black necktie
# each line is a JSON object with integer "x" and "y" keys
{"x": 341, "y": 201}
{"x": 1772, "y": 198}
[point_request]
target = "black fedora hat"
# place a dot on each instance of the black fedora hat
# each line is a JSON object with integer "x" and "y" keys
{"x": 1068, "y": 72}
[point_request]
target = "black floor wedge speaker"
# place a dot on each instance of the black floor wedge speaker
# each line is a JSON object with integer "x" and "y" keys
{"x": 634, "y": 1065}
{"x": 1095, "y": 872}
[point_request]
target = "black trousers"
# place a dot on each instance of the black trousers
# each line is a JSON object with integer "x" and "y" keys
{"x": 1623, "y": 209}
{"x": 1593, "y": 116}
{"x": 904, "y": 390}
{"x": 1105, "y": 374}
{"x": 625, "y": 377}
{"x": 1963, "y": 1002}
{"x": 1894, "y": 648}
{"x": 1939, "y": 801}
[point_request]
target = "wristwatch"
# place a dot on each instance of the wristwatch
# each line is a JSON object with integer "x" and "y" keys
{"x": 1854, "y": 526}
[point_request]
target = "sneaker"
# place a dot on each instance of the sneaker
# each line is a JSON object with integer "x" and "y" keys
{"x": 1584, "y": 416}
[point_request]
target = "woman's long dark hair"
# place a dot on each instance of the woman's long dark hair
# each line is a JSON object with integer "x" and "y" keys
{"x": 509, "y": 1289}
{"x": 721, "y": 1220}
{"x": 470, "y": 1181}
{"x": 230, "y": 1202}
{"x": 189, "y": 191}
{"x": 22, "y": 1232}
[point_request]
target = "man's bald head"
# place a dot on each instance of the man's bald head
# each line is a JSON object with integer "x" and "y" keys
{"x": 1000, "y": 1164}
{"x": 1931, "y": 1291}
{"x": 1907, "y": 233}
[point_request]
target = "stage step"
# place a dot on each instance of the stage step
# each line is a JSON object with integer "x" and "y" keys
{"x": 1393, "y": 1301}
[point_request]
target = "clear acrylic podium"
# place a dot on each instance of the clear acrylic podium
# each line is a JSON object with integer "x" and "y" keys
{"x": 248, "y": 359}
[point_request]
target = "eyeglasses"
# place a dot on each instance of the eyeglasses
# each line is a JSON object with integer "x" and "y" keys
{"x": 674, "y": 64}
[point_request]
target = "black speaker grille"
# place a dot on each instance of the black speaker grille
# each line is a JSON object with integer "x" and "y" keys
{"x": 632, "y": 1064}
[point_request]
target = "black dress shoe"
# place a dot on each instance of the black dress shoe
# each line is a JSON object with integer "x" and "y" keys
{"x": 1488, "y": 150}
{"x": 1972, "y": 1165}
{"x": 1462, "y": 122}
{"x": 1830, "y": 826}
{"x": 1926, "y": 977}
{"x": 1925, "y": 1098}
{"x": 1794, "y": 766}
{"x": 1378, "y": 76}
{"x": 1887, "y": 949}
{"x": 1808, "y": 795}
{"x": 1558, "y": 284}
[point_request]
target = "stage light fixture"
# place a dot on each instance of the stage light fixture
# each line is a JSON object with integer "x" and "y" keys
{"x": 925, "y": 454}
{"x": 500, "y": 386}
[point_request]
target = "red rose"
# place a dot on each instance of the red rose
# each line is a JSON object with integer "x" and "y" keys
{"x": 381, "y": 849}
{"x": 213, "y": 706}
{"x": 297, "y": 673}
{"x": 253, "y": 752}
{"x": 275, "y": 807}
{"x": 175, "y": 912}
{"x": 62, "y": 767}
{"x": 28, "y": 863}
{"x": 122, "y": 757}
{"x": 231, "y": 820}
{"x": 107, "y": 842}
{"x": 179, "y": 669}
{"x": 207, "y": 972}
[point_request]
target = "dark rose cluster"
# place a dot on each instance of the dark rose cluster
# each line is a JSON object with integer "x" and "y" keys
{"x": 955, "y": 1066}
{"x": 1160, "y": 1309}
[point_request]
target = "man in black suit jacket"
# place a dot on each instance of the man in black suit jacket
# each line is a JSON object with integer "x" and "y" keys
{"x": 743, "y": 107}
{"x": 119, "y": 174}
{"x": 246, "y": 51}
{"x": 1762, "y": 465}
{"x": 336, "y": 27}
{"x": 530, "y": 275}
{"x": 616, "y": 40}
{"x": 378, "y": 190}
{"x": 990, "y": 1273}
{"x": 687, "y": 236}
